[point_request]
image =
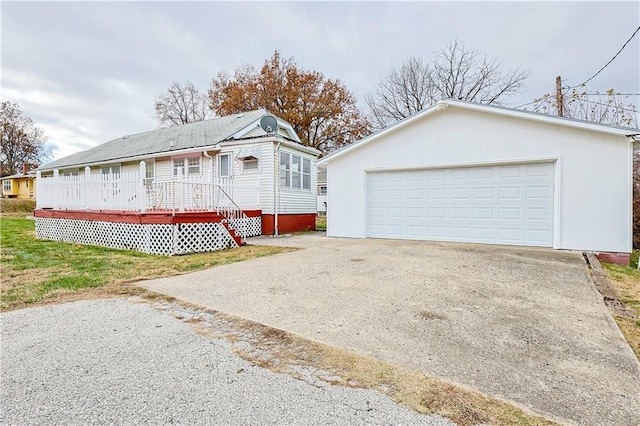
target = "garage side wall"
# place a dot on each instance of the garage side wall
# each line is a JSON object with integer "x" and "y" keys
{"x": 592, "y": 208}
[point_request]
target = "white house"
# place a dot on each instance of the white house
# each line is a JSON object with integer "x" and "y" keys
{"x": 466, "y": 172}
{"x": 245, "y": 174}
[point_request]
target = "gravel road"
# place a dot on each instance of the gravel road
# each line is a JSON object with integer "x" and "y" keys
{"x": 118, "y": 362}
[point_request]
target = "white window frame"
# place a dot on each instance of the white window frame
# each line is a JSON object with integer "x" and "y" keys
{"x": 175, "y": 166}
{"x": 288, "y": 171}
{"x": 150, "y": 170}
{"x": 253, "y": 161}
{"x": 322, "y": 189}
{"x": 229, "y": 158}
{"x": 187, "y": 169}
{"x": 109, "y": 169}
{"x": 6, "y": 185}
{"x": 194, "y": 169}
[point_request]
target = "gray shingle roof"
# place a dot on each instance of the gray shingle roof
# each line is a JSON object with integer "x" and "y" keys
{"x": 192, "y": 135}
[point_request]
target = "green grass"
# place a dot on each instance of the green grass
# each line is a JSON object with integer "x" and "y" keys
{"x": 321, "y": 223}
{"x": 626, "y": 280}
{"x": 36, "y": 271}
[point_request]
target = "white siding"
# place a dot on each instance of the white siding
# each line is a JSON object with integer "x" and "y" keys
{"x": 267, "y": 178}
{"x": 592, "y": 180}
{"x": 294, "y": 201}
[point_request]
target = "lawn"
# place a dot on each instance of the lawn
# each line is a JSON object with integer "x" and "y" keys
{"x": 626, "y": 280}
{"x": 35, "y": 271}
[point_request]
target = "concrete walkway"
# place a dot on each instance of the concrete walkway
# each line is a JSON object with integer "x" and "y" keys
{"x": 525, "y": 325}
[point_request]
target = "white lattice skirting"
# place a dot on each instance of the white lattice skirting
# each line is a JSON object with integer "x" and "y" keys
{"x": 164, "y": 239}
{"x": 253, "y": 225}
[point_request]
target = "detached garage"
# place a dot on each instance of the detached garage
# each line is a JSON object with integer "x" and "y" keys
{"x": 466, "y": 172}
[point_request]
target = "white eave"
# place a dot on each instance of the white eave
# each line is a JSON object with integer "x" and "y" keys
{"x": 274, "y": 139}
{"x": 508, "y": 112}
{"x": 281, "y": 123}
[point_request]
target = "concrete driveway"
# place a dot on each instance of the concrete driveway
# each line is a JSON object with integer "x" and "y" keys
{"x": 525, "y": 325}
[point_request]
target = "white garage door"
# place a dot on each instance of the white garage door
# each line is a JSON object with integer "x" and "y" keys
{"x": 510, "y": 204}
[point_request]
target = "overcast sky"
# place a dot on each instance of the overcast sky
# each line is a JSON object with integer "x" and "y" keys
{"x": 89, "y": 72}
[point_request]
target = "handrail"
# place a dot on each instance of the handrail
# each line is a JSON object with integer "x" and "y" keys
{"x": 238, "y": 215}
{"x": 130, "y": 191}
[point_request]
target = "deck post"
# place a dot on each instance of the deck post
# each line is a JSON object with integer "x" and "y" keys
{"x": 180, "y": 184}
{"x": 56, "y": 186}
{"x": 85, "y": 189}
{"x": 37, "y": 182}
{"x": 141, "y": 187}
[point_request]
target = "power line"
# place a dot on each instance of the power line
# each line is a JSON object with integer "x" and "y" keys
{"x": 607, "y": 64}
{"x": 611, "y": 106}
{"x": 606, "y": 93}
{"x": 523, "y": 105}
{"x": 587, "y": 100}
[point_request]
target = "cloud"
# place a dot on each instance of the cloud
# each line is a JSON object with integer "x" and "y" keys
{"x": 89, "y": 72}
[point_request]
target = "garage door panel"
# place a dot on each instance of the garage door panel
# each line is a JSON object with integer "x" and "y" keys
{"x": 483, "y": 213}
{"x": 509, "y": 193}
{"x": 534, "y": 214}
{"x": 486, "y": 234}
{"x": 484, "y": 193}
{"x": 459, "y": 193}
{"x": 436, "y": 193}
{"x": 500, "y": 204}
{"x": 459, "y": 213}
{"x": 537, "y": 192}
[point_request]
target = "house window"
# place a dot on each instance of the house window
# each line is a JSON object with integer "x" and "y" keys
{"x": 249, "y": 164}
{"x": 26, "y": 184}
{"x": 285, "y": 170}
{"x": 6, "y": 185}
{"x": 113, "y": 169}
{"x": 295, "y": 171}
{"x": 73, "y": 172}
{"x": 178, "y": 164}
{"x": 224, "y": 165}
{"x": 193, "y": 166}
{"x": 322, "y": 189}
{"x": 150, "y": 170}
{"x": 189, "y": 166}
{"x": 306, "y": 173}
{"x": 18, "y": 184}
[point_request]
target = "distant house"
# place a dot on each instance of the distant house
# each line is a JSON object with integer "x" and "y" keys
{"x": 197, "y": 187}
{"x": 322, "y": 192}
{"x": 21, "y": 185}
{"x": 465, "y": 172}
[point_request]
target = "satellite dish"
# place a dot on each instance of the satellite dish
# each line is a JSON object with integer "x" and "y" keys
{"x": 269, "y": 124}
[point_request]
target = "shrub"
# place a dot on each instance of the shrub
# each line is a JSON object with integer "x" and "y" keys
{"x": 14, "y": 205}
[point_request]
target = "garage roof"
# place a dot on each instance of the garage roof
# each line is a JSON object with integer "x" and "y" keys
{"x": 509, "y": 112}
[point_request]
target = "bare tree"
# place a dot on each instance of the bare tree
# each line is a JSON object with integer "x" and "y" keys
{"x": 22, "y": 142}
{"x": 607, "y": 108}
{"x": 453, "y": 73}
{"x": 181, "y": 105}
{"x": 402, "y": 93}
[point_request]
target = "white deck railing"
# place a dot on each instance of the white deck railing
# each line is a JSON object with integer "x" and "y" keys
{"x": 133, "y": 192}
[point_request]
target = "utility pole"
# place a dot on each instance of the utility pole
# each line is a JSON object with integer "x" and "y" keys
{"x": 559, "y": 100}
